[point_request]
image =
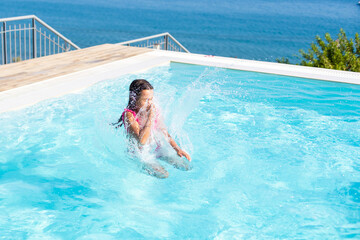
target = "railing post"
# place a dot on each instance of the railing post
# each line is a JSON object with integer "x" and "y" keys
{"x": 4, "y": 46}
{"x": 34, "y": 37}
{"x": 166, "y": 41}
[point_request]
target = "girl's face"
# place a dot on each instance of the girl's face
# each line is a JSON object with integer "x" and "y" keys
{"x": 145, "y": 99}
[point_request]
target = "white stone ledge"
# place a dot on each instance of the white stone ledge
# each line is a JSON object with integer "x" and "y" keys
{"x": 30, "y": 94}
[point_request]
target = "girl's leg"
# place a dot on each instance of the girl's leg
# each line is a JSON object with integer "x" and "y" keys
{"x": 155, "y": 169}
{"x": 170, "y": 156}
{"x": 150, "y": 165}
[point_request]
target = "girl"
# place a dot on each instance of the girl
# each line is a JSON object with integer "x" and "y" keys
{"x": 143, "y": 124}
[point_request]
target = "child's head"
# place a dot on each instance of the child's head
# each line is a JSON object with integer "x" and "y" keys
{"x": 140, "y": 94}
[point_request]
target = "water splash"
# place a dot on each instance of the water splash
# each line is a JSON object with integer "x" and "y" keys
{"x": 188, "y": 101}
{"x": 176, "y": 109}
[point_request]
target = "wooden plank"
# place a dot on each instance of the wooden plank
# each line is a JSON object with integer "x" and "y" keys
{"x": 39, "y": 69}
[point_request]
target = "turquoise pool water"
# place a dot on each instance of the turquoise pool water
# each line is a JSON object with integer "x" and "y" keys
{"x": 274, "y": 157}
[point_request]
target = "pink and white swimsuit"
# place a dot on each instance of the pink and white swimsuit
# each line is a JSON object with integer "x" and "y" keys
{"x": 136, "y": 118}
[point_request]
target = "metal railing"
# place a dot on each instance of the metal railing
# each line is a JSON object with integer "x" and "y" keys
{"x": 29, "y": 37}
{"x": 163, "y": 41}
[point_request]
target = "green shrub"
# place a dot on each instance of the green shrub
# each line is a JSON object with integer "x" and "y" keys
{"x": 340, "y": 54}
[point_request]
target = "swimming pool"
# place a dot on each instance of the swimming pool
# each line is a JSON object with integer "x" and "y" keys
{"x": 273, "y": 157}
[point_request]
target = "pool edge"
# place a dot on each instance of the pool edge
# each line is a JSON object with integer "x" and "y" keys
{"x": 28, "y": 95}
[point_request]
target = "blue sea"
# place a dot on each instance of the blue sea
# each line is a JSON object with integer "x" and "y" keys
{"x": 250, "y": 29}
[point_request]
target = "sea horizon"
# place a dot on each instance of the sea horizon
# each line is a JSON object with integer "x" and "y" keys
{"x": 256, "y": 30}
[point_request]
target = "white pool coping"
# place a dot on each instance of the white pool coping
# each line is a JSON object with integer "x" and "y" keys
{"x": 24, "y": 96}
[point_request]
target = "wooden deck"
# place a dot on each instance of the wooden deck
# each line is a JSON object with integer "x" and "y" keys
{"x": 26, "y": 72}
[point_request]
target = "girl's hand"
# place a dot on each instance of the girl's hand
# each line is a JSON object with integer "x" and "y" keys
{"x": 151, "y": 111}
{"x": 182, "y": 153}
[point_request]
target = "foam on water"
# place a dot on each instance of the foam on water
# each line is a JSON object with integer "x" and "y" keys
{"x": 273, "y": 157}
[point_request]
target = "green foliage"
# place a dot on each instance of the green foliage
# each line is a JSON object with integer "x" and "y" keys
{"x": 283, "y": 60}
{"x": 340, "y": 54}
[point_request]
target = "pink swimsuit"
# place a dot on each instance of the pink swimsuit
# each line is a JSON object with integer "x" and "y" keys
{"x": 123, "y": 116}
{"x": 136, "y": 118}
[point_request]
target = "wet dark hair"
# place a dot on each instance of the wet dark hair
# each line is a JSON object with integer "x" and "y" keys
{"x": 135, "y": 89}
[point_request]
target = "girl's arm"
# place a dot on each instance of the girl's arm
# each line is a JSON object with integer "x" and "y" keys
{"x": 172, "y": 142}
{"x": 141, "y": 135}
{"x": 178, "y": 150}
